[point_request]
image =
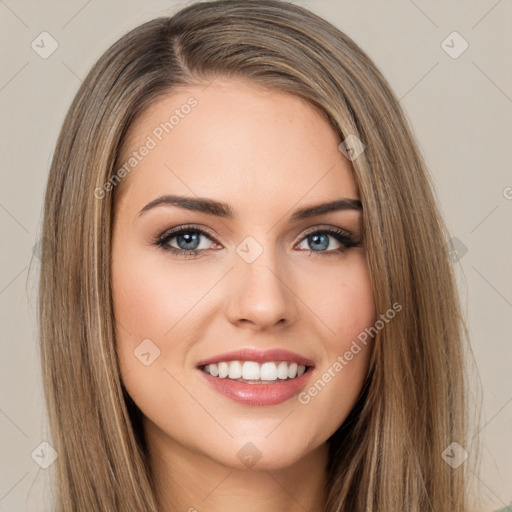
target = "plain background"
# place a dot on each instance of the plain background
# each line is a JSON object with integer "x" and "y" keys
{"x": 460, "y": 110}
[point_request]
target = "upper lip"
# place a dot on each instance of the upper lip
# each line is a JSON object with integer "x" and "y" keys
{"x": 259, "y": 356}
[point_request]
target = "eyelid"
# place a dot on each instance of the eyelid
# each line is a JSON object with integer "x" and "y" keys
{"x": 342, "y": 235}
{"x": 326, "y": 227}
{"x": 207, "y": 231}
{"x": 183, "y": 227}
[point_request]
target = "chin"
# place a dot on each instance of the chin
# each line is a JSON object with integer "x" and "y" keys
{"x": 260, "y": 454}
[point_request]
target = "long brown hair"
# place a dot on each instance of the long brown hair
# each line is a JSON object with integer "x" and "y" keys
{"x": 387, "y": 454}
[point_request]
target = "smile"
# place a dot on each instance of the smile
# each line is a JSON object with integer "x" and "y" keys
{"x": 257, "y": 378}
{"x": 253, "y": 372}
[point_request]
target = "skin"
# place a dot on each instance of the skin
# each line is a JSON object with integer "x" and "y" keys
{"x": 266, "y": 153}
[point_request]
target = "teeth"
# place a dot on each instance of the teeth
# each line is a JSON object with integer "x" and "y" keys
{"x": 268, "y": 371}
{"x": 282, "y": 370}
{"x": 251, "y": 370}
{"x": 292, "y": 370}
{"x": 223, "y": 370}
{"x": 235, "y": 370}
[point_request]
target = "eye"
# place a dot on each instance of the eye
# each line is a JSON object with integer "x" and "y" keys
{"x": 319, "y": 239}
{"x": 186, "y": 241}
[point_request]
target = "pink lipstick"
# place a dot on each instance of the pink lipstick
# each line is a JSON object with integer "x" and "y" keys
{"x": 254, "y": 377}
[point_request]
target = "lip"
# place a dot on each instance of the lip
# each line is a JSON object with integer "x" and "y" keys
{"x": 259, "y": 356}
{"x": 258, "y": 394}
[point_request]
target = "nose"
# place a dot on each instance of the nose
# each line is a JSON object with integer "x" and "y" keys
{"x": 260, "y": 294}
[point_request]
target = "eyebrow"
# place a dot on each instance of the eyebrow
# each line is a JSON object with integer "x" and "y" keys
{"x": 224, "y": 210}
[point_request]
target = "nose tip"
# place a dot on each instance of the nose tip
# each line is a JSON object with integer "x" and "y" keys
{"x": 258, "y": 295}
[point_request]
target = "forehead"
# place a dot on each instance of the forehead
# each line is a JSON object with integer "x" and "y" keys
{"x": 230, "y": 140}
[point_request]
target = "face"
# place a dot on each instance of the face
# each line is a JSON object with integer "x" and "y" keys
{"x": 200, "y": 286}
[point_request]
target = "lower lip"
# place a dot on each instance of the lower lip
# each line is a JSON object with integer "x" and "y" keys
{"x": 258, "y": 394}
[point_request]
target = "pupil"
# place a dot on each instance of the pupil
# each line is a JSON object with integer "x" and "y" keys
{"x": 317, "y": 243}
{"x": 190, "y": 239}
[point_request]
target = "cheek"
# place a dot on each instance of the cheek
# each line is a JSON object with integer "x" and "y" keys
{"x": 345, "y": 304}
{"x": 342, "y": 300}
{"x": 149, "y": 303}
{"x": 150, "y": 296}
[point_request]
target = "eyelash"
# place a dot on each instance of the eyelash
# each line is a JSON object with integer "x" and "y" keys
{"x": 344, "y": 237}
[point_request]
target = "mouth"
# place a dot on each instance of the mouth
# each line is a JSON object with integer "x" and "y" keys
{"x": 257, "y": 378}
{"x": 252, "y": 372}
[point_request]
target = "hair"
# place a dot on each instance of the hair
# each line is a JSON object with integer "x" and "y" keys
{"x": 387, "y": 453}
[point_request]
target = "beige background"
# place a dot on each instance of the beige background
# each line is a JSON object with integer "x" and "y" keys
{"x": 460, "y": 110}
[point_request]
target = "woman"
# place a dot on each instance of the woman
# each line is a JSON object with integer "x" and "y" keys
{"x": 245, "y": 297}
